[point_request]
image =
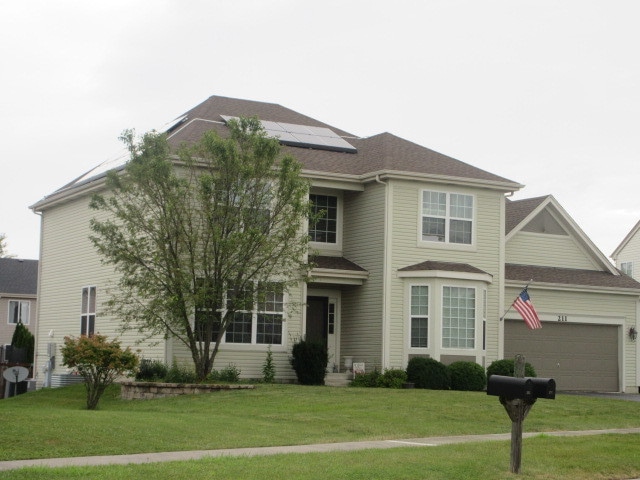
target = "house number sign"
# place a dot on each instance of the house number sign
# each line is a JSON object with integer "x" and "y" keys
{"x": 562, "y": 318}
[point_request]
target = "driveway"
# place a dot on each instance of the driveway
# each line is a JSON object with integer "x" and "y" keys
{"x": 630, "y": 397}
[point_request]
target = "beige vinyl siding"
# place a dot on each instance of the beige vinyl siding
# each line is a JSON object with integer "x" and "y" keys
{"x": 68, "y": 263}
{"x": 631, "y": 253}
{"x": 362, "y": 306}
{"x": 588, "y": 307}
{"x": 408, "y": 250}
{"x": 541, "y": 249}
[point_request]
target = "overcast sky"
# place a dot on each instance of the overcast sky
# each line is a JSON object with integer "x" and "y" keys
{"x": 546, "y": 93}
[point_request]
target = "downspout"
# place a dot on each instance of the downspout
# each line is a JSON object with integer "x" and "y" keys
{"x": 386, "y": 280}
{"x": 637, "y": 325}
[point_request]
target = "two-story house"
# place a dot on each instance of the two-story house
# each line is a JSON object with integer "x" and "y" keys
{"x": 418, "y": 254}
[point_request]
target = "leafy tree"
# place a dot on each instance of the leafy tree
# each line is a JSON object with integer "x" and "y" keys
{"x": 99, "y": 362}
{"x": 3, "y": 247}
{"x": 23, "y": 338}
{"x": 197, "y": 230}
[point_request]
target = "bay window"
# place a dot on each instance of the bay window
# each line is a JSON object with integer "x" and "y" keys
{"x": 458, "y": 317}
{"x": 419, "y": 316}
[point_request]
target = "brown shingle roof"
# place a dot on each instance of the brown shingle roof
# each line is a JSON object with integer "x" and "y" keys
{"x": 445, "y": 266}
{"x": 383, "y": 152}
{"x": 18, "y": 276}
{"x": 335, "y": 263}
{"x": 568, "y": 276}
{"x": 517, "y": 210}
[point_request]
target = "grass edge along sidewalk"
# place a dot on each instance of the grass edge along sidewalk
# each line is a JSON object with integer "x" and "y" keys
{"x": 313, "y": 448}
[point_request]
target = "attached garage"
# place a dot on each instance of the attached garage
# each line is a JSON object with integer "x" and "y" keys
{"x": 578, "y": 356}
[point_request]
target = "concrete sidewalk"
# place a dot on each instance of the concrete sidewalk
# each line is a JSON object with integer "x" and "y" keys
{"x": 323, "y": 447}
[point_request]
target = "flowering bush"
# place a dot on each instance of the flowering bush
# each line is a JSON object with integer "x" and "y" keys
{"x": 99, "y": 362}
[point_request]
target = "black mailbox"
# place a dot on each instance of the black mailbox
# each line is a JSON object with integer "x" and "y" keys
{"x": 544, "y": 387}
{"x": 510, "y": 387}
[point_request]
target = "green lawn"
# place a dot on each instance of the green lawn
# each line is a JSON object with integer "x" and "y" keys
{"x": 53, "y": 423}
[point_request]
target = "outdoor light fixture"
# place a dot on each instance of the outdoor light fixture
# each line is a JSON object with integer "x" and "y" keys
{"x": 633, "y": 333}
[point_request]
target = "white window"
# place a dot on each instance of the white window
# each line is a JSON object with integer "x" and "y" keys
{"x": 419, "y": 316}
{"x": 260, "y": 322}
{"x": 19, "y": 312}
{"x": 627, "y": 268}
{"x": 458, "y": 317}
{"x": 447, "y": 217}
{"x": 484, "y": 319}
{"x": 325, "y": 229}
{"x": 88, "y": 314}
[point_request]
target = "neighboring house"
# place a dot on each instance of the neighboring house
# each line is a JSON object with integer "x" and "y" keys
{"x": 419, "y": 254}
{"x": 627, "y": 254}
{"x": 18, "y": 296}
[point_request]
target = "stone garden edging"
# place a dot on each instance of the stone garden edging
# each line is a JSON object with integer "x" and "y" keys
{"x": 148, "y": 390}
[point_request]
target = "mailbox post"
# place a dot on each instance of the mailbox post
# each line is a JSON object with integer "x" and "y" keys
{"x": 517, "y": 396}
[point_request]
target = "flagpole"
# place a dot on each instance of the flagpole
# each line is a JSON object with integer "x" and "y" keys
{"x": 511, "y": 305}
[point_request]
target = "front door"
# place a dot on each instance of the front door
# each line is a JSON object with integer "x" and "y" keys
{"x": 321, "y": 325}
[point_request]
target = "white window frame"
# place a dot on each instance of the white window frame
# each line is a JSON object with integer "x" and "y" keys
{"x": 627, "y": 268}
{"x": 21, "y": 313}
{"x": 474, "y": 322}
{"x": 255, "y": 312}
{"x": 87, "y": 314}
{"x": 330, "y": 246}
{"x": 447, "y": 217}
{"x": 424, "y": 316}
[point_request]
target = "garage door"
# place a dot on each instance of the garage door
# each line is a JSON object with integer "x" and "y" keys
{"x": 577, "y": 356}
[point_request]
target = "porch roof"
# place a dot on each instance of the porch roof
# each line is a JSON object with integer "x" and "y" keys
{"x": 337, "y": 270}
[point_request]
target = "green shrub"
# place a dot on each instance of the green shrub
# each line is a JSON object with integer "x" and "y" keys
{"x": 368, "y": 380}
{"x": 180, "y": 374}
{"x": 22, "y": 338}
{"x": 309, "y": 360}
{"x": 505, "y": 367}
{"x": 392, "y": 378}
{"x": 151, "y": 370}
{"x": 428, "y": 373}
{"x": 269, "y": 368}
{"x": 230, "y": 373}
{"x": 467, "y": 376}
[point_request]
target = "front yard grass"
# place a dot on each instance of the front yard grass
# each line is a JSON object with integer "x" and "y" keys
{"x": 54, "y": 423}
{"x": 544, "y": 458}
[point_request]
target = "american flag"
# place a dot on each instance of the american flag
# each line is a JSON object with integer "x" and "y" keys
{"x": 525, "y": 308}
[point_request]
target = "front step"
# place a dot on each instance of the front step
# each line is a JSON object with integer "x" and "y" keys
{"x": 338, "y": 379}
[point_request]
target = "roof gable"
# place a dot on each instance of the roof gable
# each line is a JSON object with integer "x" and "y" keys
{"x": 626, "y": 240}
{"x": 546, "y": 215}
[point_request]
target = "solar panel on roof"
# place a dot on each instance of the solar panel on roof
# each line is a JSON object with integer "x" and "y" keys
{"x": 304, "y": 136}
